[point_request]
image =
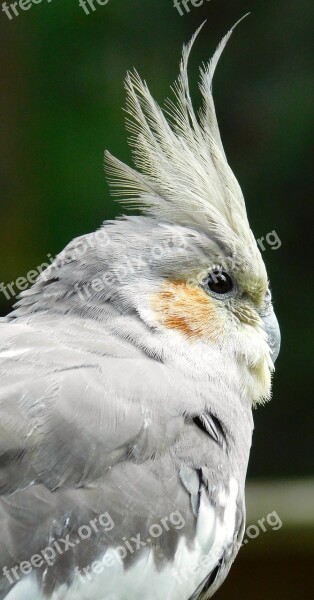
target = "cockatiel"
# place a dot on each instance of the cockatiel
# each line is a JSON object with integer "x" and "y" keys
{"x": 128, "y": 375}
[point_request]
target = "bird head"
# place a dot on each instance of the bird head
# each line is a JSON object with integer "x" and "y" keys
{"x": 189, "y": 267}
{"x": 204, "y": 275}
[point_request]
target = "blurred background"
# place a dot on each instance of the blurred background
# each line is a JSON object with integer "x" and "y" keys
{"x": 61, "y": 103}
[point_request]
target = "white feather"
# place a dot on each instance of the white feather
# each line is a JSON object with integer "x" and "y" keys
{"x": 176, "y": 581}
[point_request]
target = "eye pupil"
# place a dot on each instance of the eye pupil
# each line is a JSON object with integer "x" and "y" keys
{"x": 219, "y": 282}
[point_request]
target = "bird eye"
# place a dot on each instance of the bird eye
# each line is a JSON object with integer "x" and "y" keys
{"x": 219, "y": 282}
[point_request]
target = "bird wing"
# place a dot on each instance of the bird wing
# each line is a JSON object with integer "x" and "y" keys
{"x": 86, "y": 427}
{"x": 68, "y": 413}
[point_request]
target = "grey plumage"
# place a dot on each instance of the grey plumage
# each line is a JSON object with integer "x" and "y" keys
{"x": 111, "y": 402}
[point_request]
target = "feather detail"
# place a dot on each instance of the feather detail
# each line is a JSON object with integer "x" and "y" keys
{"x": 183, "y": 176}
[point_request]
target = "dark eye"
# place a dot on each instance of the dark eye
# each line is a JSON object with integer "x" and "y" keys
{"x": 219, "y": 282}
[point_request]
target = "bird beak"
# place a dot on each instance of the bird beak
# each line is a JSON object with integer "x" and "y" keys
{"x": 271, "y": 327}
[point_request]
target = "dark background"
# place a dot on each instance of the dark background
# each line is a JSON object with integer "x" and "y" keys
{"x": 61, "y": 105}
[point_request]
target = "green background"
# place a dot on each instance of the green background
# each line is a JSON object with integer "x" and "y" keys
{"x": 61, "y": 105}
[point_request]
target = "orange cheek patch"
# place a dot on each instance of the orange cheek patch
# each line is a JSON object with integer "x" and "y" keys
{"x": 188, "y": 310}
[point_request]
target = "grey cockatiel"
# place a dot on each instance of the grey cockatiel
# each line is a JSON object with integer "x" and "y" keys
{"x": 128, "y": 375}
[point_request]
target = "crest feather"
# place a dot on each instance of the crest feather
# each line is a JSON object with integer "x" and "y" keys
{"x": 183, "y": 175}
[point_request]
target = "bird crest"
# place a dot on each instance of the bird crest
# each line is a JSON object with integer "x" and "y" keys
{"x": 182, "y": 175}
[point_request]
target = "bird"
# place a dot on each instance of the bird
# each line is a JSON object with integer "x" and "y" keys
{"x": 129, "y": 374}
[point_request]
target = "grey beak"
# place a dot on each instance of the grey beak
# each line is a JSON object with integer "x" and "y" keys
{"x": 271, "y": 327}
